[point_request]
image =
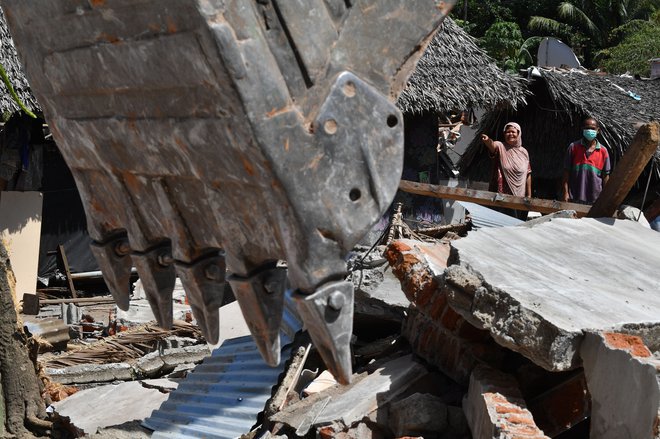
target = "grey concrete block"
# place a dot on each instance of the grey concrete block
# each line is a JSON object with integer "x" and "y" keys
{"x": 150, "y": 364}
{"x": 419, "y": 414}
{"x": 624, "y": 381}
{"x": 538, "y": 289}
{"x": 91, "y": 373}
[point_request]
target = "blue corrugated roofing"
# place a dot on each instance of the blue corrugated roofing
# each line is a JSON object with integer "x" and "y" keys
{"x": 222, "y": 397}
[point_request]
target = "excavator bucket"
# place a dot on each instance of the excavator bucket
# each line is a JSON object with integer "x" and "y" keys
{"x": 214, "y": 139}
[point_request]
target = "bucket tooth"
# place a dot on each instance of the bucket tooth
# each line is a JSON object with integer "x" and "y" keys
{"x": 156, "y": 270}
{"x": 261, "y": 298}
{"x": 328, "y": 316}
{"x": 115, "y": 262}
{"x": 204, "y": 283}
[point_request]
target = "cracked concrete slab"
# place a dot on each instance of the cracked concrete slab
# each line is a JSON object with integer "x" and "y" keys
{"x": 110, "y": 405}
{"x": 538, "y": 289}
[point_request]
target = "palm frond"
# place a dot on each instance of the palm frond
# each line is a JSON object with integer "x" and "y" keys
{"x": 578, "y": 16}
{"x": 544, "y": 24}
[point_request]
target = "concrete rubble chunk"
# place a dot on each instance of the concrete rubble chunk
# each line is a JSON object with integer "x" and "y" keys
{"x": 344, "y": 406}
{"x": 188, "y": 354}
{"x": 360, "y": 431}
{"x": 536, "y": 290}
{"x": 151, "y": 365}
{"x": 495, "y": 408}
{"x": 624, "y": 381}
{"x": 162, "y": 384}
{"x": 91, "y": 373}
{"x": 419, "y": 414}
{"x": 109, "y": 405}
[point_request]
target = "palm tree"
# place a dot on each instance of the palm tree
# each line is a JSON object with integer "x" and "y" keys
{"x": 595, "y": 19}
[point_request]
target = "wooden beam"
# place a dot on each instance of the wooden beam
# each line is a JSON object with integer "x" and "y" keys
{"x": 491, "y": 198}
{"x": 627, "y": 171}
{"x": 86, "y": 300}
{"x": 67, "y": 272}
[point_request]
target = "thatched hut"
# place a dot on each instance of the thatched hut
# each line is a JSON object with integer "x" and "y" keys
{"x": 453, "y": 75}
{"x": 9, "y": 60}
{"x": 552, "y": 119}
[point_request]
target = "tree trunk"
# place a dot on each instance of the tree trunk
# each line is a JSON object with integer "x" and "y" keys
{"x": 22, "y": 406}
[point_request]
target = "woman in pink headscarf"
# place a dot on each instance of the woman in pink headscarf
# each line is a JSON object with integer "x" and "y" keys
{"x": 512, "y": 173}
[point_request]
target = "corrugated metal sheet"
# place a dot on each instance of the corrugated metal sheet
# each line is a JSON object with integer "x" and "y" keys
{"x": 53, "y": 330}
{"x": 484, "y": 217}
{"x": 222, "y": 397}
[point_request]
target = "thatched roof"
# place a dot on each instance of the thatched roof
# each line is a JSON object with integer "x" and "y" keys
{"x": 552, "y": 119}
{"x": 455, "y": 74}
{"x": 11, "y": 63}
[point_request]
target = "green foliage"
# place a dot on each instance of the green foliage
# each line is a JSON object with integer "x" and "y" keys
{"x": 590, "y": 23}
{"x": 655, "y": 17}
{"x": 481, "y": 14}
{"x": 629, "y": 29}
{"x": 504, "y": 42}
{"x": 593, "y": 28}
{"x": 632, "y": 54}
{"x": 466, "y": 25}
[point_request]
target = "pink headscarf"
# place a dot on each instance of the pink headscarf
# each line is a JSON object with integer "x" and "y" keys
{"x": 517, "y": 127}
{"x": 514, "y": 162}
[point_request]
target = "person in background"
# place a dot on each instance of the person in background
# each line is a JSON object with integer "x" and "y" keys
{"x": 586, "y": 166}
{"x": 512, "y": 172}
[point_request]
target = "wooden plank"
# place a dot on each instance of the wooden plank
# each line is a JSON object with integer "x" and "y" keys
{"x": 20, "y": 230}
{"x": 624, "y": 176}
{"x": 79, "y": 300}
{"x": 491, "y": 198}
{"x": 67, "y": 272}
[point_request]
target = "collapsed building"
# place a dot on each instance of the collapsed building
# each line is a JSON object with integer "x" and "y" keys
{"x": 505, "y": 332}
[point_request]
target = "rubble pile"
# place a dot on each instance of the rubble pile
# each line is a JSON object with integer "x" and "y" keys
{"x": 554, "y": 348}
{"x": 449, "y": 341}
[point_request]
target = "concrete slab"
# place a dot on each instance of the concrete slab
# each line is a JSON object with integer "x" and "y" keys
{"x": 624, "y": 381}
{"x": 110, "y": 405}
{"x": 537, "y": 289}
{"x": 161, "y": 384}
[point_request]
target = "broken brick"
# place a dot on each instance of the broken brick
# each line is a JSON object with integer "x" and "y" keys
{"x": 494, "y": 407}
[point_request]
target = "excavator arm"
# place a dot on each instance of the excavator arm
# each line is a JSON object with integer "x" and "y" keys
{"x": 227, "y": 136}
